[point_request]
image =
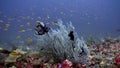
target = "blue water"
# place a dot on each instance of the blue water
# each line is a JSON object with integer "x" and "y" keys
{"x": 99, "y": 18}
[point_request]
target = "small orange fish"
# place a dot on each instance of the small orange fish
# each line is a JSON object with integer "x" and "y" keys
{"x": 10, "y": 19}
{"x": 23, "y": 17}
{"x": 48, "y": 16}
{"x": 5, "y": 29}
{"x": 30, "y": 29}
{"x": 28, "y": 23}
{"x": 29, "y": 40}
{"x": 7, "y": 25}
{"x": 18, "y": 37}
{"x": 22, "y": 31}
{"x": 53, "y": 23}
{"x": 1, "y": 21}
{"x": 18, "y": 20}
{"x": 21, "y": 25}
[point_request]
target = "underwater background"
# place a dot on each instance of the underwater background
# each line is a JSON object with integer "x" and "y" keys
{"x": 97, "y": 18}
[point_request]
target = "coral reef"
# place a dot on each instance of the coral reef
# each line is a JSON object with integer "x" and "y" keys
{"x": 58, "y": 44}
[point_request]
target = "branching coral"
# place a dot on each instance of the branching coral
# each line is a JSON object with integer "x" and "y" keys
{"x": 58, "y": 44}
